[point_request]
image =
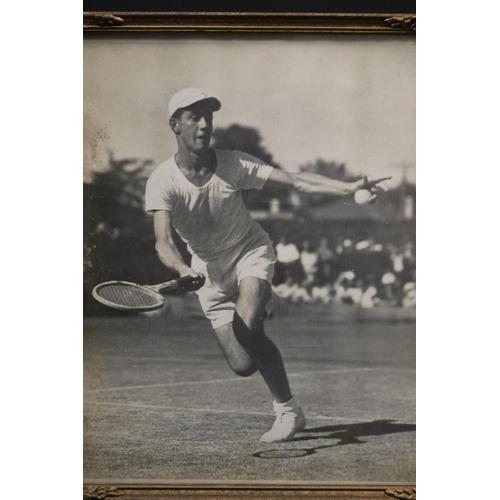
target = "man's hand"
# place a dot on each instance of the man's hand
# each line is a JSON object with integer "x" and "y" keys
{"x": 199, "y": 280}
{"x": 370, "y": 184}
{"x": 190, "y": 272}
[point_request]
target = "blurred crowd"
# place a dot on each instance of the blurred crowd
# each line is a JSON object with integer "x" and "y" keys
{"x": 364, "y": 273}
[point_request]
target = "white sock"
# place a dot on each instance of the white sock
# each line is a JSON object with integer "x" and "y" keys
{"x": 290, "y": 405}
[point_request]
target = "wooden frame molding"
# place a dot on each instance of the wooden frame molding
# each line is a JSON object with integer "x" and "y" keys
{"x": 248, "y": 22}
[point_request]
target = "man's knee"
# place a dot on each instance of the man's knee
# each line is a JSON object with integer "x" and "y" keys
{"x": 248, "y": 328}
{"x": 236, "y": 351}
{"x": 251, "y": 320}
{"x": 255, "y": 294}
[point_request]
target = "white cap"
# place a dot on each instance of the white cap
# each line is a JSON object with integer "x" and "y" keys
{"x": 186, "y": 97}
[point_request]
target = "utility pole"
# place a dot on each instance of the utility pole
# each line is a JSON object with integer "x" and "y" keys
{"x": 403, "y": 190}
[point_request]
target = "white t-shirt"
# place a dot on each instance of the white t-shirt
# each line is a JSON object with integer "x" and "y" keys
{"x": 213, "y": 217}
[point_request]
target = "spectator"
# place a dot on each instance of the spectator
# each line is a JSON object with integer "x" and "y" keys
{"x": 288, "y": 260}
{"x": 326, "y": 258}
{"x": 309, "y": 260}
{"x": 339, "y": 249}
{"x": 408, "y": 252}
{"x": 354, "y": 292}
{"x": 340, "y": 286}
{"x": 409, "y": 263}
{"x": 313, "y": 271}
{"x": 301, "y": 295}
{"x": 286, "y": 289}
{"x": 321, "y": 293}
{"x": 397, "y": 262}
{"x": 369, "y": 298}
{"x": 291, "y": 290}
{"x": 409, "y": 292}
{"x": 409, "y": 295}
{"x": 376, "y": 247}
{"x": 363, "y": 245}
{"x": 347, "y": 244}
{"x": 389, "y": 284}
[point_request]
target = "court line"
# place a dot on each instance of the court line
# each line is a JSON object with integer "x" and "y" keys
{"x": 211, "y": 410}
{"x": 149, "y": 358}
{"x": 155, "y": 386}
{"x": 237, "y": 379}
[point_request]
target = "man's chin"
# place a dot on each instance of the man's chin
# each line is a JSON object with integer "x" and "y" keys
{"x": 201, "y": 147}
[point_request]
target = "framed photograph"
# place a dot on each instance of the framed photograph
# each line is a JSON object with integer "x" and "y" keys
{"x": 268, "y": 161}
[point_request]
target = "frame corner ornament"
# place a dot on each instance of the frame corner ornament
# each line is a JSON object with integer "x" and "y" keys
{"x": 108, "y": 19}
{"x": 402, "y": 493}
{"x": 100, "y": 492}
{"x": 402, "y": 22}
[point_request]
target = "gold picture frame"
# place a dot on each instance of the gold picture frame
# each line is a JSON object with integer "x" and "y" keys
{"x": 147, "y": 22}
{"x": 248, "y": 22}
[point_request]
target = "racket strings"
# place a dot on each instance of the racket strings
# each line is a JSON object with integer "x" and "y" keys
{"x": 128, "y": 296}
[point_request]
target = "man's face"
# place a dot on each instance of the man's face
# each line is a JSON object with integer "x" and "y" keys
{"x": 193, "y": 126}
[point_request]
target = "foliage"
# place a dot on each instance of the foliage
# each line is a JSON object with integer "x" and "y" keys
{"x": 249, "y": 140}
{"x": 331, "y": 169}
{"x": 118, "y": 233}
{"x": 114, "y": 200}
{"x": 241, "y": 138}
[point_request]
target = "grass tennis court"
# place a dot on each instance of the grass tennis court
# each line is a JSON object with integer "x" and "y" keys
{"x": 161, "y": 404}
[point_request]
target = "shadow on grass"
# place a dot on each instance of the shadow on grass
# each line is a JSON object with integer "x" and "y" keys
{"x": 342, "y": 434}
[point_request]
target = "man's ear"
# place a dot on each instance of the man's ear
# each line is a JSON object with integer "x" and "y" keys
{"x": 174, "y": 125}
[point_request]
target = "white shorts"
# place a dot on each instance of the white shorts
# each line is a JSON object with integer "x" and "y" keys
{"x": 224, "y": 273}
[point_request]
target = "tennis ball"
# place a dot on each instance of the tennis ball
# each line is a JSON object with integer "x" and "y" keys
{"x": 362, "y": 196}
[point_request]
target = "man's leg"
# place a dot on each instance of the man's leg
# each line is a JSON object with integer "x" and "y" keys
{"x": 245, "y": 344}
{"x": 247, "y": 349}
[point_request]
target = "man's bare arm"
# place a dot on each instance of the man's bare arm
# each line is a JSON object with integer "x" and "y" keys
{"x": 165, "y": 245}
{"x": 319, "y": 184}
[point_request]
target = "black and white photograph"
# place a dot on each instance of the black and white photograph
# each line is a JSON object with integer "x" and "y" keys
{"x": 249, "y": 258}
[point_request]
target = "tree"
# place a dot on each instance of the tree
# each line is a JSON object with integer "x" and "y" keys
{"x": 241, "y": 138}
{"x": 331, "y": 169}
{"x": 114, "y": 200}
{"x": 118, "y": 234}
{"x": 249, "y": 140}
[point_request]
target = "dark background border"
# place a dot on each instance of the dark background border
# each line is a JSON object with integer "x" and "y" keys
{"x": 330, "y": 6}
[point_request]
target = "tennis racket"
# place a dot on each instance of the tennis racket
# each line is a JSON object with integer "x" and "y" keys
{"x": 133, "y": 297}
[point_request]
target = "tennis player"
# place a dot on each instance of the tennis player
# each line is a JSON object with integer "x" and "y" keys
{"x": 198, "y": 193}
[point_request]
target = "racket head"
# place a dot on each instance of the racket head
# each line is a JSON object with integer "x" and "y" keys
{"x": 127, "y": 296}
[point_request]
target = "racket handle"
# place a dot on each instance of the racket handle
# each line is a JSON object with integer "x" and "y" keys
{"x": 191, "y": 283}
{"x": 188, "y": 283}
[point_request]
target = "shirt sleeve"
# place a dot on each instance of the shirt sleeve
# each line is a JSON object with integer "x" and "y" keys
{"x": 157, "y": 196}
{"x": 253, "y": 172}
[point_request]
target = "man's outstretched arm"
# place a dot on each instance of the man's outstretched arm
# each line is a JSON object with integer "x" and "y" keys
{"x": 319, "y": 184}
{"x": 165, "y": 245}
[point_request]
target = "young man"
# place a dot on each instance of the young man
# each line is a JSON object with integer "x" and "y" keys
{"x": 197, "y": 193}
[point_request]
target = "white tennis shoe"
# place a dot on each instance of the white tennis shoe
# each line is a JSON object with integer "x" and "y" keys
{"x": 286, "y": 425}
